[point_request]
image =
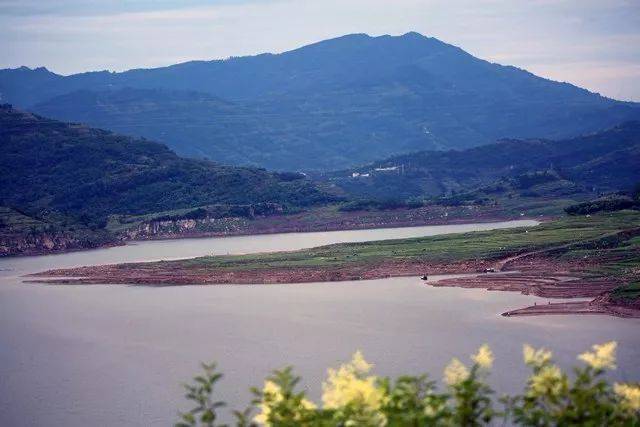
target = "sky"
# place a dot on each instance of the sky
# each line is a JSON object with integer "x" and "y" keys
{"x": 591, "y": 43}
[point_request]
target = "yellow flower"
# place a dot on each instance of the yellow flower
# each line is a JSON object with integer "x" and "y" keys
{"x": 263, "y": 417}
{"x": 533, "y": 357}
{"x": 343, "y": 388}
{"x": 603, "y": 356}
{"x": 484, "y": 357}
{"x": 629, "y": 394}
{"x": 547, "y": 381}
{"x": 271, "y": 395}
{"x": 349, "y": 385}
{"x": 272, "y": 389}
{"x": 308, "y": 405}
{"x": 430, "y": 411}
{"x": 455, "y": 372}
{"x": 433, "y": 407}
{"x": 360, "y": 365}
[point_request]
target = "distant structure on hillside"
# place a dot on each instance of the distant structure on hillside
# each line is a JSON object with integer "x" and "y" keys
{"x": 398, "y": 169}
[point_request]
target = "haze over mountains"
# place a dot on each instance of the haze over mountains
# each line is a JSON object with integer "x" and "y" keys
{"x": 334, "y": 104}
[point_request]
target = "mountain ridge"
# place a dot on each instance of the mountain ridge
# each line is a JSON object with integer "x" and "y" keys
{"x": 331, "y": 104}
{"x": 328, "y": 42}
{"x": 362, "y": 36}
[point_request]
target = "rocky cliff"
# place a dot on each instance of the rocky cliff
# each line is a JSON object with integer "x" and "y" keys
{"x": 44, "y": 243}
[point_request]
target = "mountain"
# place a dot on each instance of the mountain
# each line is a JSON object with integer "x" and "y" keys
{"x": 88, "y": 174}
{"x": 325, "y": 106}
{"x": 604, "y": 161}
{"x": 213, "y": 128}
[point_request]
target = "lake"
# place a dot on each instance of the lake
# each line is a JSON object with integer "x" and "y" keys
{"x": 110, "y": 355}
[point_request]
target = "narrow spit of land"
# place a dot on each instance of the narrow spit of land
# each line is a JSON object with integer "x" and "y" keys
{"x": 590, "y": 257}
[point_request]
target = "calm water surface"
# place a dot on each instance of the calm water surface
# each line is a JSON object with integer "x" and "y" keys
{"x": 116, "y": 355}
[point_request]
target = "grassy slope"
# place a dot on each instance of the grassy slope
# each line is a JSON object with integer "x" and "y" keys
{"x": 622, "y": 260}
{"x": 628, "y": 293}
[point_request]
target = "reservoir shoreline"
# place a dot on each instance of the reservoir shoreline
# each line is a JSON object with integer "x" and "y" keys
{"x": 537, "y": 270}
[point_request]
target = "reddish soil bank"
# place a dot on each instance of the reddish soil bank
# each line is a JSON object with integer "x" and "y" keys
{"x": 534, "y": 274}
{"x": 554, "y": 285}
{"x": 578, "y": 307}
{"x": 602, "y": 304}
{"x": 140, "y": 274}
{"x": 547, "y": 280}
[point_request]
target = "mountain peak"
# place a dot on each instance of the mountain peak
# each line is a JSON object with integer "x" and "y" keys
{"x": 365, "y": 36}
{"x": 413, "y": 35}
{"x": 405, "y": 46}
{"x": 352, "y": 36}
{"x": 25, "y": 69}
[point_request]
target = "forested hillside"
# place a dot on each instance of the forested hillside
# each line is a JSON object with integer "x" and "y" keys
{"x": 600, "y": 162}
{"x": 57, "y": 176}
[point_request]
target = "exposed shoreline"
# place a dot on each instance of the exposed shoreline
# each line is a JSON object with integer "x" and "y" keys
{"x": 572, "y": 258}
{"x": 545, "y": 280}
{"x": 579, "y": 308}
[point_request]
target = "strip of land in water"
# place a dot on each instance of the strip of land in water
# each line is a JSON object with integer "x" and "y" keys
{"x": 595, "y": 257}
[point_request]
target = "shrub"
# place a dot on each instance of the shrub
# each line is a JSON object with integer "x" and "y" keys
{"x": 380, "y": 205}
{"x": 353, "y": 396}
{"x": 608, "y": 204}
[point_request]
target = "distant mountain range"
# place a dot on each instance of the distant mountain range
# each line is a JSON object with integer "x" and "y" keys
{"x": 601, "y": 162}
{"x": 326, "y": 106}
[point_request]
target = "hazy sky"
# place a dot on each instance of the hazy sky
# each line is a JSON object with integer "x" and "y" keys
{"x": 591, "y": 43}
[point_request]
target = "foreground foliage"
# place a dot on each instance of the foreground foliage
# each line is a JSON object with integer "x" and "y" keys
{"x": 353, "y": 396}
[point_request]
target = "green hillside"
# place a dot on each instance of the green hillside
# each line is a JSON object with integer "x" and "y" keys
{"x": 587, "y": 165}
{"x": 60, "y": 177}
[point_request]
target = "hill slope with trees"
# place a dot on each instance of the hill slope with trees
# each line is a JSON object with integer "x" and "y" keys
{"x": 601, "y": 162}
{"x": 60, "y": 177}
